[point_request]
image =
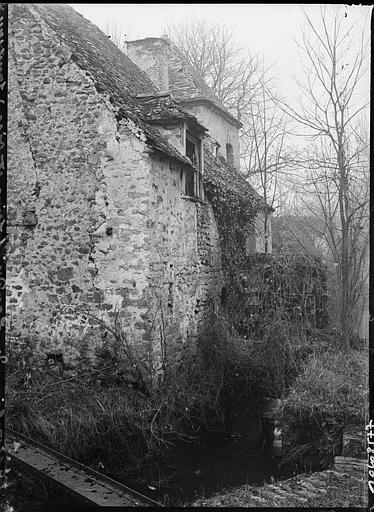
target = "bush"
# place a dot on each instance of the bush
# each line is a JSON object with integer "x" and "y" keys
{"x": 334, "y": 384}
{"x": 329, "y": 394}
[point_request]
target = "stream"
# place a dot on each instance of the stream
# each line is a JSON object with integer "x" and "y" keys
{"x": 248, "y": 453}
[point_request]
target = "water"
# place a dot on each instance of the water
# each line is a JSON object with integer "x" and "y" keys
{"x": 243, "y": 454}
{"x": 219, "y": 462}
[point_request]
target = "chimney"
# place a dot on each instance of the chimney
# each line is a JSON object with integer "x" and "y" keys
{"x": 151, "y": 55}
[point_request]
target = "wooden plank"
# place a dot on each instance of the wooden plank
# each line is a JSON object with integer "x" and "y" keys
{"x": 87, "y": 483}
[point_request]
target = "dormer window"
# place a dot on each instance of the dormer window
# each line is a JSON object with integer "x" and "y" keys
{"x": 193, "y": 177}
{"x": 229, "y": 155}
{"x": 193, "y": 149}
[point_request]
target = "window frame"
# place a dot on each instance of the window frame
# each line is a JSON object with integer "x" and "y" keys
{"x": 229, "y": 154}
{"x": 197, "y": 190}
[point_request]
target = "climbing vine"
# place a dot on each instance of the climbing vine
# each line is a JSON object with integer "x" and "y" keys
{"x": 235, "y": 208}
{"x": 288, "y": 288}
{"x": 260, "y": 288}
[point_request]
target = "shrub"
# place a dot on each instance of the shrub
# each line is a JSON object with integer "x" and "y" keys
{"x": 334, "y": 384}
{"x": 329, "y": 394}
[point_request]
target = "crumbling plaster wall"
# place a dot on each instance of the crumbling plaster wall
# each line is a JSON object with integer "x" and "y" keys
{"x": 78, "y": 192}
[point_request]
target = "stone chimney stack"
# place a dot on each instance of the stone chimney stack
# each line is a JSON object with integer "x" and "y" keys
{"x": 151, "y": 55}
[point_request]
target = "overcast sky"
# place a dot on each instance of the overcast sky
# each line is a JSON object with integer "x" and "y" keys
{"x": 264, "y": 29}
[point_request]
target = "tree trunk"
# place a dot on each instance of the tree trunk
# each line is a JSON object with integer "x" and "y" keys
{"x": 344, "y": 269}
{"x": 345, "y": 309}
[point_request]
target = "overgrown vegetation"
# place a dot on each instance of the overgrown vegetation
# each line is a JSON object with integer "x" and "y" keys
{"x": 290, "y": 288}
{"x": 329, "y": 394}
{"x": 235, "y": 207}
{"x": 110, "y": 414}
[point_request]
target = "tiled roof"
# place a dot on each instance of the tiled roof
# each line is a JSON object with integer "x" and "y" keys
{"x": 162, "y": 108}
{"x": 218, "y": 174}
{"x": 185, "y": 83}
{"x": 129, "y": 89}
{"x": 111, "y": 70}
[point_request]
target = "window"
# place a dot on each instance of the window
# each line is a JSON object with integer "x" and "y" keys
{"x": 193, "y": 149}
{"x": 229, "y": 154}
{"x": 193, "y": 177}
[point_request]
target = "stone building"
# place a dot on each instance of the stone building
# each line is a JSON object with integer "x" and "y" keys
{"x": 169, "y": 70}
{"x": 172, "y": 74}
{"x": 107, "y": 172}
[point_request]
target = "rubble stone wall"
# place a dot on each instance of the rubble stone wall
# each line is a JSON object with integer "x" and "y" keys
{"x": 78, "y": 189}
{"x": 186, "y": 274}
{"x": 96, "y": 223}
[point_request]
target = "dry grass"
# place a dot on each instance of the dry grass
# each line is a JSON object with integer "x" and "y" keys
{"x": 334, "y": 383}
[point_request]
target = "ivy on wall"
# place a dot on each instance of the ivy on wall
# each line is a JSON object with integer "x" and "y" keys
{"x": 260, "y": 288}
{"x": 235, "y": 205}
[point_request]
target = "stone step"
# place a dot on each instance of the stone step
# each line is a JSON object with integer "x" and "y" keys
{"x": 274, "y": 496}
{"x": 310, "y": 491}
{"x": 295, "y": 492}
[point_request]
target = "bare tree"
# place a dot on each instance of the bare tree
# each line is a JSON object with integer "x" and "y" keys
{"x": 333, "y": 59}
{"x": 226, "y": 67}
{"x": 242, "y": 83}
{"x": 264, "y": 152}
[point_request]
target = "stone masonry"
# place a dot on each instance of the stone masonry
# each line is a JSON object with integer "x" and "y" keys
{"x": 98, "y": 223}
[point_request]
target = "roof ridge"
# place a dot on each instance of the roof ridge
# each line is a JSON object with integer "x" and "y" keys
{"x": 111, "y": 71}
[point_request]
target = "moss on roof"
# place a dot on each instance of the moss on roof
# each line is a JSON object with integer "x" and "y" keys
{"x": 219, "y": 176}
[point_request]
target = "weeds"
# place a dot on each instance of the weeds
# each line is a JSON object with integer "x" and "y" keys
{"x": 111, "y": 414}
{"x": 334, "y": 384}
{"x": 329, "y": 394}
